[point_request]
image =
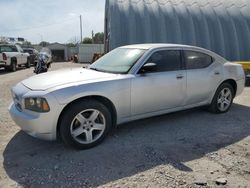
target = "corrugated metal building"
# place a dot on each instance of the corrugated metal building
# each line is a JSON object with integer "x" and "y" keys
{"x": 87, "y": 51}
{"x": 222, "y": 26}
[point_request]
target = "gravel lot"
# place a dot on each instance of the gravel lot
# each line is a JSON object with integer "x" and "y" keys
{"x": 186, "y": 149}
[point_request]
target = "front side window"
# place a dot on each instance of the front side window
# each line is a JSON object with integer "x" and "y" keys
{"x": 119, "y": 60}
{"x": 197, "y": 60}
{"x": 20, "y": 49}
{"x": 166, "y": 60}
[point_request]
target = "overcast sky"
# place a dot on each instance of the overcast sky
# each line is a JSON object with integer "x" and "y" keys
{"x": 50, "y": 20}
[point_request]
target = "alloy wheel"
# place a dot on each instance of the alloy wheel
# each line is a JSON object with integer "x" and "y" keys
{"x": 88, "y": 126}
{"x": 224, "y": 99}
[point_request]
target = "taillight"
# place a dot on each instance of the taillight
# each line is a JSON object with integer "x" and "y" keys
{"x": 4, "y": 56}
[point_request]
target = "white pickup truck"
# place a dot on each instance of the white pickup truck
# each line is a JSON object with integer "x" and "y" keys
{"x": 12, "y": 56}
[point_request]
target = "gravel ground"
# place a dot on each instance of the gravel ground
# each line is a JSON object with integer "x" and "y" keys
{"x": 191, "y": 148}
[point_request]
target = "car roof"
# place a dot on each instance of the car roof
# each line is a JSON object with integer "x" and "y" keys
{"x": 148, "y": 46}
{"x": 7, "y": 45}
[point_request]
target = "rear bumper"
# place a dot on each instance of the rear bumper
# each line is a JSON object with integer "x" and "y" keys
{"x": 2, "y": 64}
{"x": 240, "y": 86}
{"x": 246, "y": 67}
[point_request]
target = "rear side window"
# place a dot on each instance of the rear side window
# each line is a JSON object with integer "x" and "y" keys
{"x": 166, "y": 60}
{"x": 197, "y": 60}
{"x": 28, "y": 51}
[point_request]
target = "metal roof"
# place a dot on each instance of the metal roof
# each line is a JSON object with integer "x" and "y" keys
{"x": 222, "y": 26}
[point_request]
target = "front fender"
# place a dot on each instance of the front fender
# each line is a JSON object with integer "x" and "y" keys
{"x": 118, "y": 92}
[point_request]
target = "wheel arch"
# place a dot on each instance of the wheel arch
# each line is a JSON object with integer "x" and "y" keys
{"x": 232, "y": 82}
{"x": 104, "y": 100}
{"x": 13, "y": 59}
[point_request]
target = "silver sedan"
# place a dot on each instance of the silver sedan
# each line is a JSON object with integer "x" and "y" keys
{"x": 81, "y": 105}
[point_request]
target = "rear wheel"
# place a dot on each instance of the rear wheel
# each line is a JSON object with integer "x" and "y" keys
{"x": 223, "y": 99}
{"x": 13, "y": 66}
{"x": 85, "y": 124}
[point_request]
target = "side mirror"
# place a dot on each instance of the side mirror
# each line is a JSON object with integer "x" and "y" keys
{"x": 148, "y": 67}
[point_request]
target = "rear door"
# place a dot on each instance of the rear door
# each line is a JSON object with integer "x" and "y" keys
{"x": 203, "y": 76}
{"x": 162, "y": 89}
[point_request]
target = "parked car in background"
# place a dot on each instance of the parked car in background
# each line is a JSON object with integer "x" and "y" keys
{"x": 33, "y": 55}
{"x": 131, "y": 82}
{"x": 12, "y": 56}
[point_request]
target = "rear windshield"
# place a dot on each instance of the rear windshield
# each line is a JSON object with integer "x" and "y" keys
{"x": 8, "y": 49}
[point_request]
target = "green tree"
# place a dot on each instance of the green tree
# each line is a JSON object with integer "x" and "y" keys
{"x": 98, "y": 38}
{"x": 26, "y": 43}
{"x": 71, "y": 44}
{"x": 87, "y": 40}
{"x": 44, "y": 43}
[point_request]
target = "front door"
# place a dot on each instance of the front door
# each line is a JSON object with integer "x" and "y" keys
{"x": 161, "y": 89}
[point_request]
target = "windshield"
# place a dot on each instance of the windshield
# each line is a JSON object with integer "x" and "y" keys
{"x": 119, "y": 60}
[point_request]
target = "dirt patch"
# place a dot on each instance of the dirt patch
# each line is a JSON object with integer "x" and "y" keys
{"x": 186, "y": 149}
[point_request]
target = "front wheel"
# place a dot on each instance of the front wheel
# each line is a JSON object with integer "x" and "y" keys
{"x": 223, "y": 99}
{"x": 85, "y": 124}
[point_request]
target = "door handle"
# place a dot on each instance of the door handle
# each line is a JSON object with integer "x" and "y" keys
{"x": 179, "y": 77}
{"x": 216, "y": 72}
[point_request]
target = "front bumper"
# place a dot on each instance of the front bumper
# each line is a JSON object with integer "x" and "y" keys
{"x": 37, "y": 125}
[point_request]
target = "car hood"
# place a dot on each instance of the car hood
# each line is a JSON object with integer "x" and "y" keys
{"x": 52, "y": 79}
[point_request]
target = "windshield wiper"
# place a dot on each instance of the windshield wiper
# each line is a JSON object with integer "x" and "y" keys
{"x": 101, "y": 70}
{"x": 96, "y": 69}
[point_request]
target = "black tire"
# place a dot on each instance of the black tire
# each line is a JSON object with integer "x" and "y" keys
{"x": 48, "y": 65}
{"x": 28, "y": 63}
{"x": 215, "y": 105}
{"x": 69, "y": 118}
{"x": 7, "y": 68}
{"x": 13, "y": 66}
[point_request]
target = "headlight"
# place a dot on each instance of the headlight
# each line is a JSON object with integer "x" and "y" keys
{"x": 36, "y": 104}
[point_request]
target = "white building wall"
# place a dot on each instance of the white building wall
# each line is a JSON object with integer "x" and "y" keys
{"x": 86, "y": 51}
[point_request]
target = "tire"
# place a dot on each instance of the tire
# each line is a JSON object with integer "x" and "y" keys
{"x": 222, "y": 99}
{"x": 28, "y": 63}
{"x": 7, "y": 68}
{"x": 13, "y": 66}
{"x": 85, "y": 124}
{"x": 48, "y": 65}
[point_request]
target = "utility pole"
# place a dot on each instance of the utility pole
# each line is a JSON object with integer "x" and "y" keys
{"x": 81, "y": 27}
